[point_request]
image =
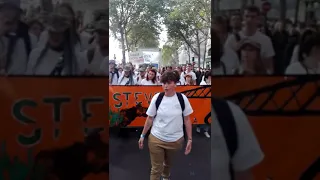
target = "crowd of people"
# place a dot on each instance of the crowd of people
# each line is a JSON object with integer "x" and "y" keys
{"x": 52, "y": 43}
{"x": 147, "y": 75}
{"x": 244, "y": 44}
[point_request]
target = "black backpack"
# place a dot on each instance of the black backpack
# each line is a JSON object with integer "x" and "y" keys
{"x": 228, "y": 126}
{"x": 181, "y": 101}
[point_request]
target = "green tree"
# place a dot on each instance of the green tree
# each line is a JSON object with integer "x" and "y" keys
{"x": 170, "y": 52}
{"x": 189, "y": 21}
{"x": 126, "y": 16}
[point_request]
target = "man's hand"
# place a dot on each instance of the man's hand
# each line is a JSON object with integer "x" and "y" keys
{"x": 188, "y": 147}
{"x": 140, "y": 142}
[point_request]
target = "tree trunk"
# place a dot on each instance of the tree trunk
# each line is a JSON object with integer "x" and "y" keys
{"x": 198, "y": 49}
{"x": 296, "y": 13}
{"x": 122, "y": 39}
{"x": 283, "y": 10}
{"x": 204, "y": 54}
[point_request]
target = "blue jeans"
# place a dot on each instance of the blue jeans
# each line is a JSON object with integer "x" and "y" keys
{"x": 205, "y": 127}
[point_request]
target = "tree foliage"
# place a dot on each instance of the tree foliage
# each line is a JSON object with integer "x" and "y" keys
{"x": 189, "y": 21}
{"x": 170, "y": 52}
{"x": 135, "y": 22}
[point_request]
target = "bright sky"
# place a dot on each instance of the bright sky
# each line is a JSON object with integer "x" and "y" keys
{"x": 115, "y": 46}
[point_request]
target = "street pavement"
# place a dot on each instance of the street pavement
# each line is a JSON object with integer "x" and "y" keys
{"x": 128, "y": 162}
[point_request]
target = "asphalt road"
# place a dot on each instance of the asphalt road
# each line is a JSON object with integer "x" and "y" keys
{"x": 127, "y": 162}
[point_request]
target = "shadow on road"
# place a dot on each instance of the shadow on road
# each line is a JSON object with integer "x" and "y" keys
{"x": 128, "y": 162}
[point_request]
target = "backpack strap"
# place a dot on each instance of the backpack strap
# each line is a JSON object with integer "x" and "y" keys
{"x": 159, "y": 99}
{"x": 228, "y": 127}
{"x": 181, "y": 101}
{"x": 90, "y": 55}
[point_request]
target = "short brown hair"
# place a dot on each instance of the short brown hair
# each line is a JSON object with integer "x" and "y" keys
{"x": 169, "y": 76}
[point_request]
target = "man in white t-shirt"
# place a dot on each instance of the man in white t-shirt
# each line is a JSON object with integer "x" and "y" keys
{"x": 247, "y": 154}
{"x": 251, "y": 19}
{"x": 190, "y": 72}
{"x": 167, "y": 113}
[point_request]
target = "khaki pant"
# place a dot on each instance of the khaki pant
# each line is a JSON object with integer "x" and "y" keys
{"x": 161, "y": 155}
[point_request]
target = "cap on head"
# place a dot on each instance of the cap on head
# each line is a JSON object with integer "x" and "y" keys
{"x": 249, "y": 42}
{"x": 142, "y": 69}
{"x": 57, "y": 23}
{"x": 127, "y": 67}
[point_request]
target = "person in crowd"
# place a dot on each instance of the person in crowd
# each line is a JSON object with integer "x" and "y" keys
{"x": 190, "y": 72}
{"x": 293, "y": 40}
{"x": 142, "y": 75}
{"x": 217, "y": 65}
{"x": 295, "y": 55}
{"x": 220, "y": 27}
{"x": 100, "y": 51}
{"x": 120, "y": 70}
{"x": 13, "y": 54}
{"x": 309, "y": 57}
{"x": 251, "y": 63}
{"x": 238, "y": 165}
{"x": 151, "y": 78}
{"x": 80, "y": 43}
{"x": 181, "y": 78}
{"x": 280, "y": 40}
{"x": 188, "y": 80}
{"x": 206, "y": 79}
{"x": 236, "y": 23}
{"x": 178, "y": 75}
{"x": 35, "y": 29}
{"x": 114, "y": 73}
{"x": 166, "y": 122}
{"x": 56, "y": 57}
{"x": 199, "y": 75}
{"x": 104, "y": 67}
{"x": 250, "y": 30}
{"x": 128, "y": 78}
{"x": 229, "y": 58}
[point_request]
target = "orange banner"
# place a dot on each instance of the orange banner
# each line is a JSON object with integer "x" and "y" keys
{"x": 128, "y": 104}
{"x": 284, "y": 113}
{"x": 45, "y": 120}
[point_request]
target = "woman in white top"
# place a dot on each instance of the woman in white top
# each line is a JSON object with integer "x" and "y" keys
{"x": 309, "y": 57}
{"x": 206, "y": 79}
{"x": 166, "y": 116}
{"x": 80, "y": 42}
{"x": 56, "y": 58}
{"x": 295, "y": 54}
{"x": 151, "y": 79}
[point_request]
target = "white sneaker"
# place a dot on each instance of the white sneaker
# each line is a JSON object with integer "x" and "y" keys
{"x": 207, "y": 134}
{"x": 198, "y": 130}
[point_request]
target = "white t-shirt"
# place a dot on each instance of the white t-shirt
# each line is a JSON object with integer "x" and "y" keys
{"x": 95, "y": 65}
{"x": 296, "y": 68}
{"x": 123, "y": 81}
{"x": 248, "y": 153}
{"x": 267, "y": 50}
{"x": 168, "y": 124}
{"x": 49, "y": 61}
{"x": 80, "y": 46}
{"x": 295, "y": 54}
{"x": 148, "y": 83}
{"x": 19, "y": 57}
{"x": 193, "y": 75}
{"x": 230, "y": 59}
